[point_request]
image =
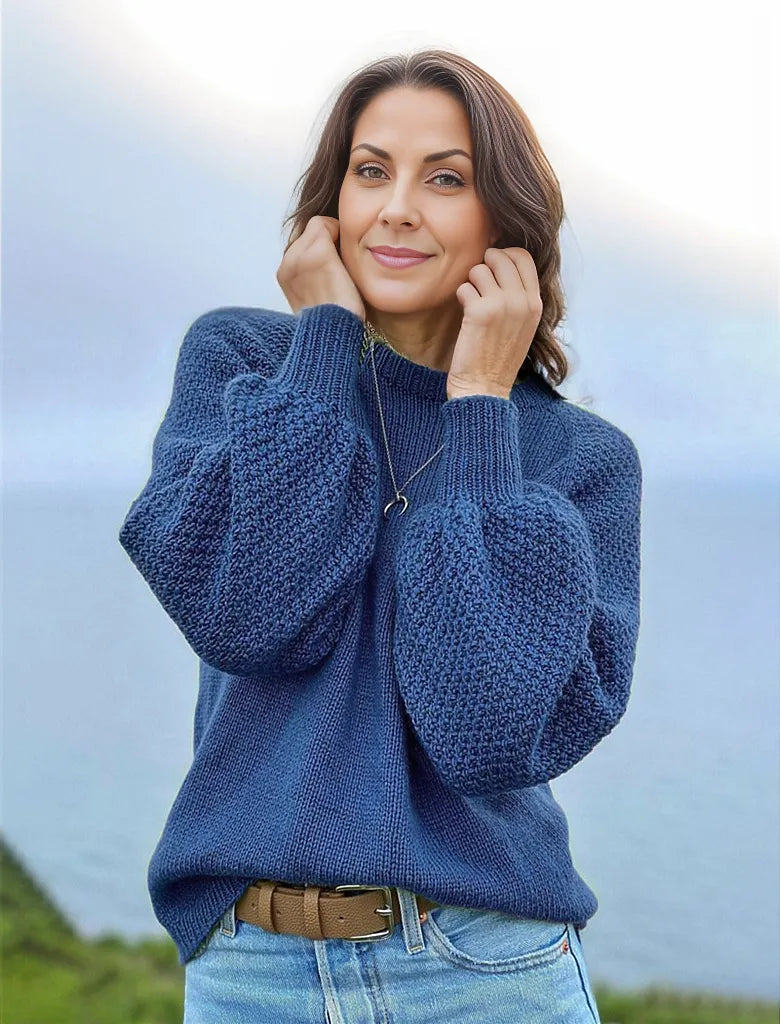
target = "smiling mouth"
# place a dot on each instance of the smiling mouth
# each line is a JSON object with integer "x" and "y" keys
{"x": 397, "y": 262}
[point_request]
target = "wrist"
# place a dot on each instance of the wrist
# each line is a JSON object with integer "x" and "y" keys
{"x": 463, "y": 391}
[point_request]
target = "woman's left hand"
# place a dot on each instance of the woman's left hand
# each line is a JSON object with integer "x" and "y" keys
{"x": 502, "y": 308}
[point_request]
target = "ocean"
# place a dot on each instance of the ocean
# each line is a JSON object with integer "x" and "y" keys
{"x": 674, "y": 817}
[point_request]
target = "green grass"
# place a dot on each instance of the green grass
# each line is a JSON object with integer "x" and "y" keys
{"x": 53, "y": 976}
{"x": 663, "y": 1006}
{"x": 50, "y": 975}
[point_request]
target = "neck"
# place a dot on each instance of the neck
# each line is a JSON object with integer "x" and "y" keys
{"x": 427, "y": 336}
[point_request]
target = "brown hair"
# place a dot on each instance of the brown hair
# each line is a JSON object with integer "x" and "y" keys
{"x": 513, "y": 178}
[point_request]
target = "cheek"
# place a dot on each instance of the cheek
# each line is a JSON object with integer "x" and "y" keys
{"x": 463, "y": 260}
{"x": 356, "y": 211}
{"x": 346, "y": 211}
{"x": 466, "y": 244}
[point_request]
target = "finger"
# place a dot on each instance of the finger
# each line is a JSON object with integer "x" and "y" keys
{"x": 466, "y": 292}
{"x": 319, "y": 230}
{"x": 333, "y": 226}
{"x": 483, "y": 279}
{"x": 302, "y": 240}
{"x": 526, "y": 268}
{"x": 315, "y": 227}
{"x": 505, "y": 270}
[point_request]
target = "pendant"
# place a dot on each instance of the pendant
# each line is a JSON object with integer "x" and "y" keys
{"x": 402, "y": 500}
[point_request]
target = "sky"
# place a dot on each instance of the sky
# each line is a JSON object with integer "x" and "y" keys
{"x": 150, "y": 151}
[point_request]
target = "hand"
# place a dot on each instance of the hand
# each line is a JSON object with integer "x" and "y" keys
{"x": 312, "y": 272}
{"x": 502, "y": 308}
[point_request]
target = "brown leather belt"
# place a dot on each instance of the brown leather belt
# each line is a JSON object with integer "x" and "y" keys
{"x": 357, "y": 912}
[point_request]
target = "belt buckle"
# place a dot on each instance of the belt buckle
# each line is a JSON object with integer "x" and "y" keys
{"x": 387, "y": 911}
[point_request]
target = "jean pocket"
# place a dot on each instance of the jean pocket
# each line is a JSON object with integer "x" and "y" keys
{"x": 491, "y": 940}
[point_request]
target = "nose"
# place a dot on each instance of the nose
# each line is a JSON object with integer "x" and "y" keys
{"x": 400, "y": 208}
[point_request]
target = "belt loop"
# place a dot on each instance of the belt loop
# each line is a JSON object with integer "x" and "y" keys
{"x": 312, "y": 924}
{"x": 410, "y": 918}
{"x": 228, "y": 923}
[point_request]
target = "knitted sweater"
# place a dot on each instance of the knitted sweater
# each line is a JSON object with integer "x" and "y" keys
{"x": 381, "y": 701}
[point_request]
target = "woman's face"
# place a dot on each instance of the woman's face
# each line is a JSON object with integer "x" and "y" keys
{"x": 401, "y": 200}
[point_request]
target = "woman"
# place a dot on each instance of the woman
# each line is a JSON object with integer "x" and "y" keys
{"x": 410, "y": 570}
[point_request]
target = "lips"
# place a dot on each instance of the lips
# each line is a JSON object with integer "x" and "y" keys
{"x": 398, "y": 258}
{"x": 390, "y": 250}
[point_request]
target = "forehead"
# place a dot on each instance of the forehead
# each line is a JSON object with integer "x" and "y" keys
{"x": 413, "y": 118}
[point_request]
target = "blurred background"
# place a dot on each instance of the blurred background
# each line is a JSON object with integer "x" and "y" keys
{"x": 150, "y": 150}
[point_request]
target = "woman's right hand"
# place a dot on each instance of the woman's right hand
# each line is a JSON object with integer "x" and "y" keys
{"x": 311, "y": 271}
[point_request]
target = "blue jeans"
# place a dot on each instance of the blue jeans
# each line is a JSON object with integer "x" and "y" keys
{"x": 458, "y": 966}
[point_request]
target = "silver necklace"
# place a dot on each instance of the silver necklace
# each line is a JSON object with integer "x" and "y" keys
{"x": 370, "y": 337}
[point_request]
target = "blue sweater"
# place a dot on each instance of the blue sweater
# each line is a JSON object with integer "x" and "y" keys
{"x": 381, "y": 701}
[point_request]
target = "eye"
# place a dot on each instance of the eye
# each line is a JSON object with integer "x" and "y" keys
{"x": 454, "y": 177}
{"x": 366, "y": 167}
{"x": 457, "y": 181}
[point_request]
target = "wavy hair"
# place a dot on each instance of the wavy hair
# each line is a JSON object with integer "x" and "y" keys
{"x": 513, "y": 177}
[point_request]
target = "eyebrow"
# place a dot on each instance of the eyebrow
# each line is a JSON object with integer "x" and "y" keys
{"x": 431, "y": 158}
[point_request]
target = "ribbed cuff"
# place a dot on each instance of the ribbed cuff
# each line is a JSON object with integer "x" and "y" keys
{"x": 322, "y": 359}
{"x": 481, "y": 456}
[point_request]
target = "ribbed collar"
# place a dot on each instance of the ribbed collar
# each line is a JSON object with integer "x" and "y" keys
{"x": 400, "y": 372}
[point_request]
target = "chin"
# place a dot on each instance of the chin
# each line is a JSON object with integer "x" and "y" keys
{"x": 395, "y": 296}
{"x": 398, "y": 304}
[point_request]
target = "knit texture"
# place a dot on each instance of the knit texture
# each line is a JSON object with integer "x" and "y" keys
{"x": 378, "y": 339}
{"x": 381, "y": 701}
